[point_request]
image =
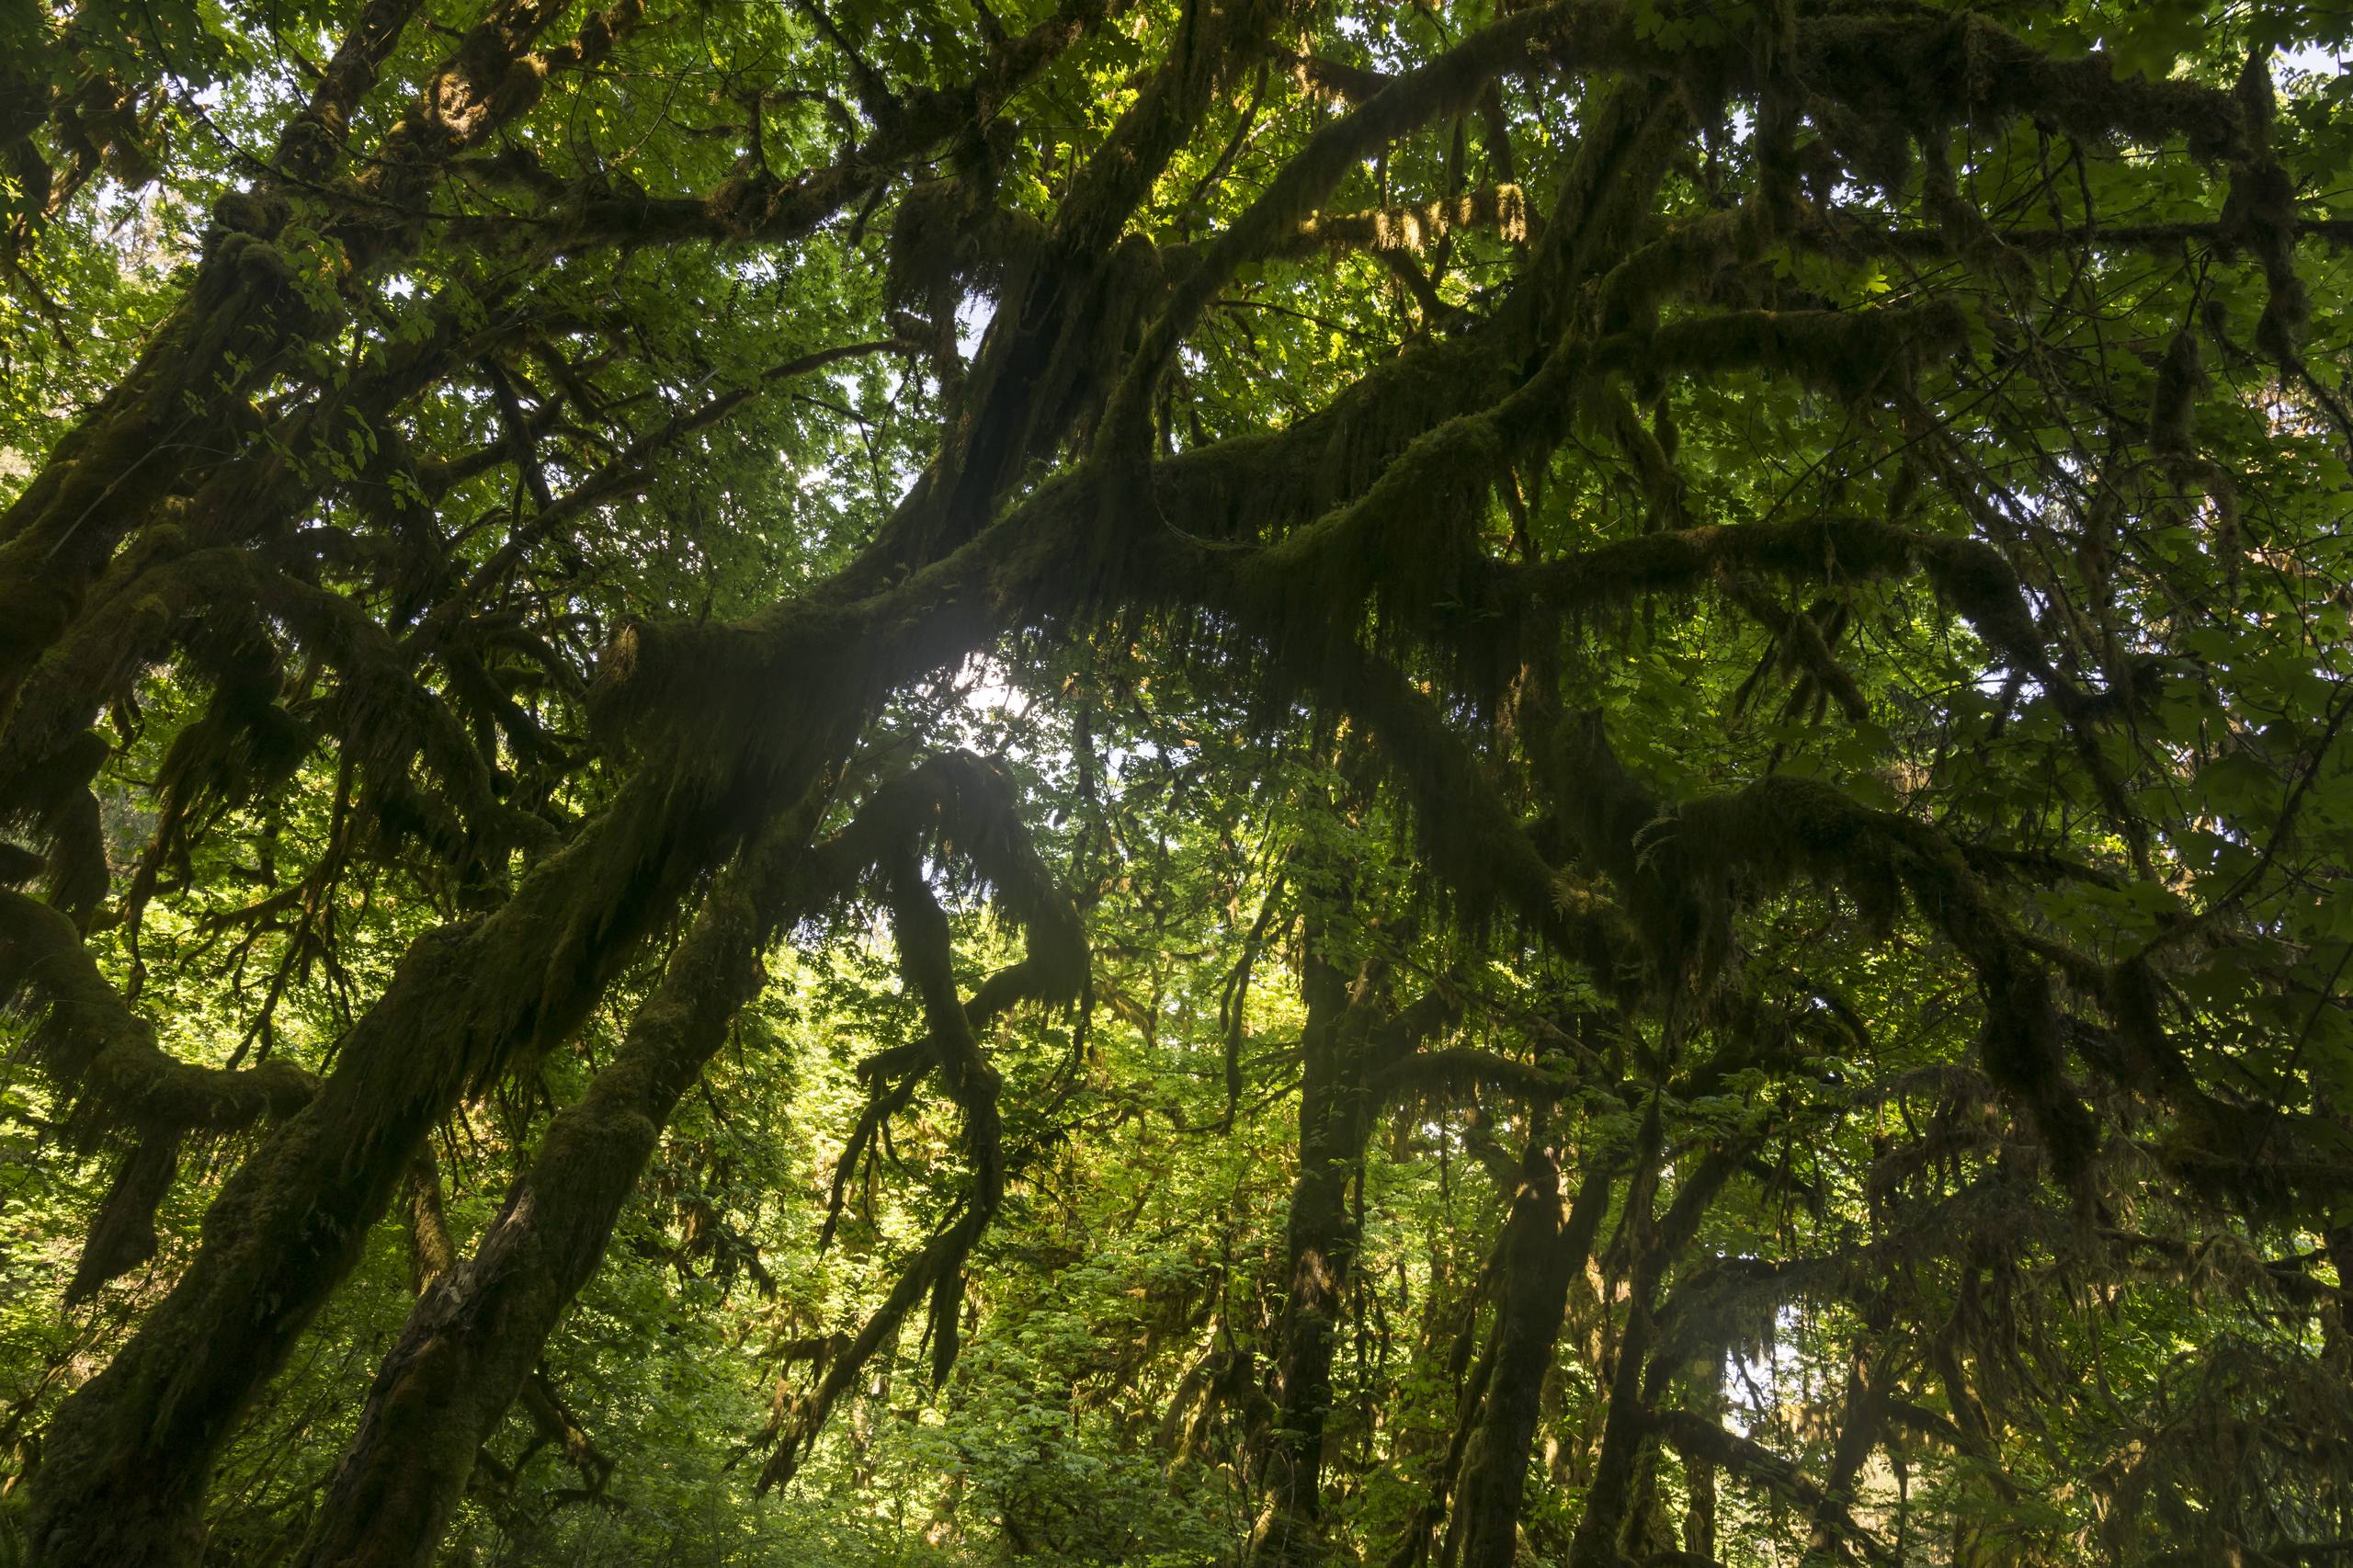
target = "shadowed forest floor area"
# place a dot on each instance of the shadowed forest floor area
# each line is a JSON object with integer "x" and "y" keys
{"x": 1210, "y": 783}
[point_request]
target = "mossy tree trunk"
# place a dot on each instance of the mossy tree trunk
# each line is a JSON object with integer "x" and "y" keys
{"x": 1335, "y": 1122}
{"x": 130, "y": 1453}
{"x": 1347, "y": 547}
{"x": 476, "y": 1335}
{"x": 1545, "y": 1243}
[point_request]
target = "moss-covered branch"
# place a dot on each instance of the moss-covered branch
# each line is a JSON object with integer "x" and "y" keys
{"x": 103, "y": 1059}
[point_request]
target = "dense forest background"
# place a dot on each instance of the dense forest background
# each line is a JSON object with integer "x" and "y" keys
{"x": 1256, "y": 782}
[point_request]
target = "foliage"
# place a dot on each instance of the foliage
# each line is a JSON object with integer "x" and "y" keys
{"x": 1124, "y": 782}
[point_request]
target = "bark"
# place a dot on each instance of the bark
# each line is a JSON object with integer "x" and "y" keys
{"x": 1335, "y": 1122}
{"x": 475, "y": 1341}
{"x": 133, "y": 1447}
{"x": 1545, "y": 1243}
{"x": 242, "y": 318}
{"x": 131, "y": 1451}
{"x": 431, "y": 1252}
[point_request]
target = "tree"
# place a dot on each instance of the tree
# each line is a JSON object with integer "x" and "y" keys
{"x": 1729, "y": 618}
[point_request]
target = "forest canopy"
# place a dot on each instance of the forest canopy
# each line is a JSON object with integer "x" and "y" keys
{"x": 1230, "y": 783}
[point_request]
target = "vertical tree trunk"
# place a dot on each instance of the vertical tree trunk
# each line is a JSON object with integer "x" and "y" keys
{"x": 431, "y": 1253}
{"x": 2337, "y": 1341}
{"x": 1622, "y": 1500}
{"x": 1699, "y": 1474}
{"x": 1544, "y": 1247}
{"x": 1321, "y": 1243}
{"x": 1353, "y": 1033}
{"x": 1616, "y": 1471}
{"x": 1862, "y": 1415}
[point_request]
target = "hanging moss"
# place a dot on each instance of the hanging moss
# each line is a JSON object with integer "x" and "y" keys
{"x": 1785, "y": 826}
{"x": 1340, "y": 565}
{"x": 1854, "y": 354}
{"x": 473, "y": 1341}
{"x": 1501, "y": 208}
{"x": 2259, "y": 214}
{"x": 1967, "y": 67}
{"x": 2173, "y": 406}
{"x": 47, "y": 798}
{"x": 118, "y": 1089}
{"x": 954, "y": 805}
{"x": 122, "y": 1234}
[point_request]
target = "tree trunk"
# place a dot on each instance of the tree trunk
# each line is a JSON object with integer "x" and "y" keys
{"x": 1617, "y": 1471}
{"x": 130, "y": 1452}
{"x": 1544, "y": 1247}
{"x": 1699, "y": 1474}
{"x": 187, "y": 399}
{"x": 1863, "y": 1414}
{"x": 1335, "y": 1124}
{"x": 133, "y": 1447}
{"x": 477, "y": 1334}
